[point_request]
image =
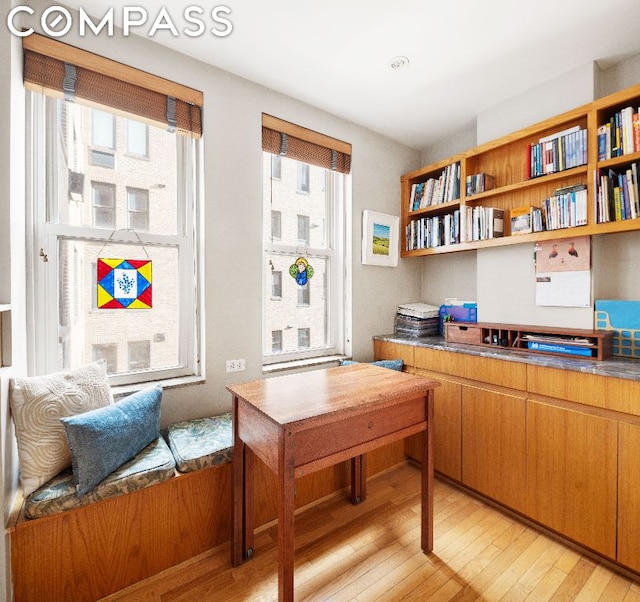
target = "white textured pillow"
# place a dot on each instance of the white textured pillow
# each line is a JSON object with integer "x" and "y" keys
{"x": 38, "y": 403}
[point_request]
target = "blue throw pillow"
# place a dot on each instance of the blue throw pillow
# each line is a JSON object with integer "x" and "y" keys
{"x": 104, "y": 439}
{"x": 391, "y": 364}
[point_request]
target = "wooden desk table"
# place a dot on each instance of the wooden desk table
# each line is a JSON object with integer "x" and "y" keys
{"x": 300, "y": 423}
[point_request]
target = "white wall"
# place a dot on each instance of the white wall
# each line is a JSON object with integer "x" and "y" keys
{"x": 501, "y": 279}
{"x": 556, "y": 96}
{"x": 12, "y": 272}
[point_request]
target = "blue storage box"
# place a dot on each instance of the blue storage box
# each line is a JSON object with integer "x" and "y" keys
{"x": 467, "y": 312}
{"x": 623, "y": 317}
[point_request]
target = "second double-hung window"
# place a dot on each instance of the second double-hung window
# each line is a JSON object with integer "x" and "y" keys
{"x": 306, "y": 206}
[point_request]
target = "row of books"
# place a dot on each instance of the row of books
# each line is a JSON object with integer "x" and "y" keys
{"x": 435, "y": 231}
{"x": 480, "y": 182}
{"x": 566, "y": 208}
{"x": 565, "y": 345}
{"x": 436, "y": 191}
{"x": 617, "y": 194}
{"x": 465, "y": 224}
{"x": 620, "y": 135}
{"x": 557, "y": 152}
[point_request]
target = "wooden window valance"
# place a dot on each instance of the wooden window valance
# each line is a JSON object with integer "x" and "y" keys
{"x": 62, "y": 70}
{"x": 295, "y": 142}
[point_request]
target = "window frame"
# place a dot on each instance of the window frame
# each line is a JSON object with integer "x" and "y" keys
{"x": 45, "y": 233}
{"x": 338, "y": 288}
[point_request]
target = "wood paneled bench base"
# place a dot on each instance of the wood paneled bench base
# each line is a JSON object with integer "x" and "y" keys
{"x": 90, "y": 552}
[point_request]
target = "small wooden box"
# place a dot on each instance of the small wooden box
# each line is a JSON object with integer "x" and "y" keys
{"x": 463, "y": 333}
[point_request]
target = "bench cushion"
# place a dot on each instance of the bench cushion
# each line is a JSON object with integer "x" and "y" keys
{"x": 152, "y": 465}
{"x": 391, "y": 364}
{"x": 201, "y": 442}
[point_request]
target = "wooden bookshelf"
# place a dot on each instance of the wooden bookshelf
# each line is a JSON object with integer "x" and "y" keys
{"x": 565, "y": 342}
{"x": 507, "y": 159}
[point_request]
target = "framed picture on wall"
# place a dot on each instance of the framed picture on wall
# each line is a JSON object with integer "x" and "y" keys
{"x": 379, "y": 239}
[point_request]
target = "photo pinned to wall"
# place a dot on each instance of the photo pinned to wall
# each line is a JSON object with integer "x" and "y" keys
{"x": 563, "y": 272}
{"x": 379, "y": 239}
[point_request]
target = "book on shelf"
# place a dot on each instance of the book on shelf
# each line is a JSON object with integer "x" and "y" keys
{"x": 480, "y": 182}
{"x": 435, "y": 191}
{"x": 521, "y": 220}
{"x": 620, "y": 134}
{"x": 566, "y": 208}
{"x": 617, "y": 194}
{"x": 433, "y": 231}
{"x": 581, "y": 346}
{"x": 481, "y": 223}
{"x": 560, "y": 348}
{"x": 563, "y": 150}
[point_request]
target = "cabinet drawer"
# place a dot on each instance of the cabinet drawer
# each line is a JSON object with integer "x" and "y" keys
{"x": 463, "y": 333}
{"x": 618, "y": 394}
{"x": 482, "y": 369}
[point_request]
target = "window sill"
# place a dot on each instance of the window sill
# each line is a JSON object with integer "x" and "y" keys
{"x": 306, "y": 363}
{"x": 169, "y": 383}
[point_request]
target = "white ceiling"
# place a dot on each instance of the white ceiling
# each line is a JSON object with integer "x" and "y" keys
{"x": 465, "y": 55}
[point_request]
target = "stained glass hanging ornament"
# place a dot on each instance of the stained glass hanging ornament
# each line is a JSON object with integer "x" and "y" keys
{"x": 124, "y": 283}
{"x": 301, "y": 271}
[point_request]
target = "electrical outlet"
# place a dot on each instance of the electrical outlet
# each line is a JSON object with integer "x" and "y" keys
{"x": 236, "y": 365}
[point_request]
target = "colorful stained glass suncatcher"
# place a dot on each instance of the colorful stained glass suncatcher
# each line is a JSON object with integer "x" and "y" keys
{"x": 124, "y": 283}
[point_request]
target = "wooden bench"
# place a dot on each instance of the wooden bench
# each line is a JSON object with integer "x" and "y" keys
{"x": 85, "y": 548}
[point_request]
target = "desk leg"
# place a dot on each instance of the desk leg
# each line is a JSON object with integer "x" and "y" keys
{"x": 237, "y": 499}
{"x": 358, "y": 479}
{"x": 427, "y": 478}
{"x": 286, "y": 508}
{"x": 242, "y": 515}
{"x": 249, "y": 514}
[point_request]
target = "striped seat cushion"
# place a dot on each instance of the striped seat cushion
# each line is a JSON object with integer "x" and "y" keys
{"x": 201, "y": 442}
{"x": 154, "y": 464}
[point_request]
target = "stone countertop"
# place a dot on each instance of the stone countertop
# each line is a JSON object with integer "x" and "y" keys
{"x": 617, "y": 367}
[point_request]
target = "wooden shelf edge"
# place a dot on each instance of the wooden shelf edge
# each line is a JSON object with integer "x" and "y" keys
{"x": 434, "y": 209}
{"x": 558, "y": 175}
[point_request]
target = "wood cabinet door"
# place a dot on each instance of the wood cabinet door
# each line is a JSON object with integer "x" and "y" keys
{"x": 384, "y": 350}
{"x": 447, "y": 424}
{"x": 572, "y": 474}
{"x": 629, "y": 495}
{"x": 493, "y": 444}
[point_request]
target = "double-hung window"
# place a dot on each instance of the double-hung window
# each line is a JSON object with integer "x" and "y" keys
{"x": 306, "y": 249}
{"x": 113, "y": 174}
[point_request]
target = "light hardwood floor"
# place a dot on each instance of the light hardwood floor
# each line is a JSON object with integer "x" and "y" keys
{"x": 372, "y": 552}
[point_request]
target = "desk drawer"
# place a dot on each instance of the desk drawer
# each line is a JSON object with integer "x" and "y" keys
{"x": 327, "y": 439}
